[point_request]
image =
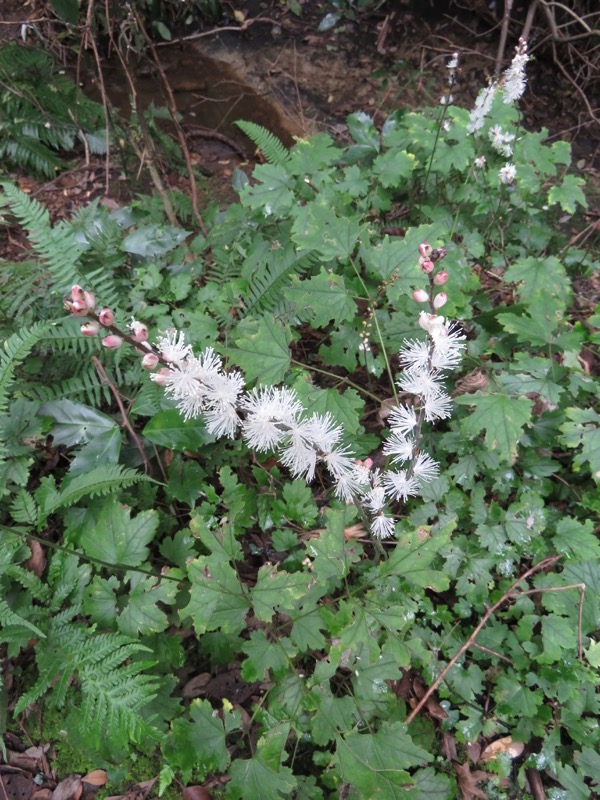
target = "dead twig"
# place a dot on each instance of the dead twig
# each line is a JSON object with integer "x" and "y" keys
{"x": 543, "y": 564}
{"x": 89, "y": 38}
{"x": 172, "y": 106}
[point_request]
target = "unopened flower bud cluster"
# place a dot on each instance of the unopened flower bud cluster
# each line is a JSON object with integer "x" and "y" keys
{"x": 270, "y": 418}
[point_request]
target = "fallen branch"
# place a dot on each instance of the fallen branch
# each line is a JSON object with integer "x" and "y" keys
{"x": 546, "y": 562}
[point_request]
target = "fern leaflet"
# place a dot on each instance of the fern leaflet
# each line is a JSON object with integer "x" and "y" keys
{"x": 271, "y": 147}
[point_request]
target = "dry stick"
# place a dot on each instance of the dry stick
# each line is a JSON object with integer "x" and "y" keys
{"x": 581, "y": 587}
{"x": 89, "y": 36}
{"x": 508, "y": 4}
{"x": 215, "y": 31}
{"x": 172, "y": 105}
{"x": 529, "y": 20}
{"x": 546, "y": 562}
{"x": 148, "y": 153}
{"x": 103, "y": 374}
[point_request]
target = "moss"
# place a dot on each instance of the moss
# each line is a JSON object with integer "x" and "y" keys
{"x": 47, "y": 725}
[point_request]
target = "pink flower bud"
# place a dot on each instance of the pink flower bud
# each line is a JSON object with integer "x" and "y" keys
{"x": 440, "y": 300}
{"x": 425, "y": 249}
{"x": 139, "y": 332}
{"x": 90, "y": 328}
{"x": 112, "y": 342}
{"x": 149, "y": 361}
{"x": 79, "y": 308}
{"x": 106, "y": 316}
{"x": 427, "y": 266}
{"x": 77, "y": 293}
{"x": 368, "y": 462}
{"x": 90, "y": 299}
{"x": 441, "y": 278}
{"x": 161, "y": 376}
{"x": 420, "y": 295}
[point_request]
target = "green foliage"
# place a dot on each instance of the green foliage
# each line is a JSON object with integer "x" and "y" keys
{"x": 42, "y": 112}
{"x": 304, "y": 646}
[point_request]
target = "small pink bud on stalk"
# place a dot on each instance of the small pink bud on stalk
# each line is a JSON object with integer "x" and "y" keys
{"x": 426, "y": 265}
{"x": 139, "y": 332}
{"x": 420, "y": 295}
{"x": 112, "y": 342}
{"x": 77, "y": 293}
{"x": 106, "y": 317}
{"x": 440, "y": 300}
{"x": 90, "y": 328}
{"x": 90, "y": 299}
{"x": 149, "y": 361}
{"x": 161, "y": 376}
{"x": 425, "y": 249}
{"x": 441, "y": 278}
{"x": 79, "y": 307}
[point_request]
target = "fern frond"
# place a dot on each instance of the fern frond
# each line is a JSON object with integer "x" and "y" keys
{"x": 57, "y": 246}
{"x": 14, "y": 351}
{"x": 272, "y": 148}
{"x": 9, "y": 619}
{"x": 24, "y": 508}
{"x": 265, "y": 287}
{"x": 95, "y": 483}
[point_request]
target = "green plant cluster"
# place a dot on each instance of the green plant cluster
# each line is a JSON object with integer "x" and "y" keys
{"x": 242, "y": 623}
{"x": 43, "y": 114}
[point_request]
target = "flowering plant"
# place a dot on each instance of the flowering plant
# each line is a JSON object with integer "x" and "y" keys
{"x": 270, "y": 638}
{"x": 272, "y": 418}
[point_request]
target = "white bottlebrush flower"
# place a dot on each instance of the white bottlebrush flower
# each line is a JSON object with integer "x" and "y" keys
{"x": 339, "y": 463}
{"x": 223, "y": 421}
{"x": 482, "y": 108}
{"x": 447, "y": 350}
{"x": 324, "y": 432}
{"x": 452, "y": 65}
{"x": 382, "y": 526}
{"x": 514, "y": 80}
{"x": 425, "y": 468}
{"x": 269, "y": 414}
{"x": 374, "y": 499}
{"x": 501, "y": 141}
{"x": 173, "y": 348}
{"x": 415, "y": 355}
{"x": 299, "y": 454}
{"x": 480, "y": 162}
{"x": 399, "y": 486}
{"x": 425, "y": 383}
{"x": 437, "y": 406}
{"x": 402, "y": 419}
{"x": 399, "y": 447}
{"x": 507, "y": 174}
{"x": 205, "y": 366}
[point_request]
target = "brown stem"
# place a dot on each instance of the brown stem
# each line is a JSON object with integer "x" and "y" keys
{"x": 546, "y": 562}
{"x": 138, "y": 442}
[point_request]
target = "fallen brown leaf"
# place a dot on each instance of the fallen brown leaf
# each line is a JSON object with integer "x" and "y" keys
{"x": 467, "y": 782}
{"x": 97, "y": 777}
{"x": 196, "y": 793}
{"x": 68, "y": 788}
{"x": 195, "y": 687}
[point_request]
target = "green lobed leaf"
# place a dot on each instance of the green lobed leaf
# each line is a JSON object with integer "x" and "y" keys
{"x": 113, "y": 535}
{"x": 198, "y": 743}
{"x": 262, "y": 350}
{"x": 218, "y": 601}
{"x": 502, "y": 418}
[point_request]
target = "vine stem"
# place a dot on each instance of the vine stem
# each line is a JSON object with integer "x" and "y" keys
{"x": 546, "y": 562}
